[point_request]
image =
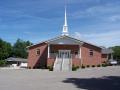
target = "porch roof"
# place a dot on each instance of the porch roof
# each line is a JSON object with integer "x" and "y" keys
{"x": 64, "y": 39}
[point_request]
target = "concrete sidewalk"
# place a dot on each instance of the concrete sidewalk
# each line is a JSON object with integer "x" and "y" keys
{"x": 83, "y": 79}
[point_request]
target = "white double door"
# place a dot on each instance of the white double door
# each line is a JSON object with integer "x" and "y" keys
{"x": 64, "y": 54}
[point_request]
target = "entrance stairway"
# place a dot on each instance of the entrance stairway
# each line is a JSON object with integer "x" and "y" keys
{"x": 57, "y": 64}
{"x": 66, "y": 64}
{"x": 62, "y": 64}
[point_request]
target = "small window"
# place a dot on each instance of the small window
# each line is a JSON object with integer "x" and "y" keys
{"x": 91, "y": 52}
{"x": 38, "y": 51}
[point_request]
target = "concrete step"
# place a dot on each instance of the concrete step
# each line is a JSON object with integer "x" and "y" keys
{"x": 58, "y": 65}
{"x": 62, "y": 64}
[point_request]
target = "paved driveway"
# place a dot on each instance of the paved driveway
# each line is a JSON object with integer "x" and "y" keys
{"x": 107, "y": 78}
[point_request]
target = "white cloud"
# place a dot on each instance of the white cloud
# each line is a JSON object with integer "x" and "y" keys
{"x": 99, "y": 11}
{"x": 77, "y": 35}
{"x": 107, "y": 39}
{"x": 114, "y": 18}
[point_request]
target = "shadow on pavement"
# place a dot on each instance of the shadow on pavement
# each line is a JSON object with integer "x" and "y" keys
{"x": 102, "y": 83}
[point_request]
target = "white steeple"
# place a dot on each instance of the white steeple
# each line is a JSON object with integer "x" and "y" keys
{"x": 65, "y": 26}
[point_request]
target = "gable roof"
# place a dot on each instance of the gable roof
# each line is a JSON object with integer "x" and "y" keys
{"x": 65, "y": 36}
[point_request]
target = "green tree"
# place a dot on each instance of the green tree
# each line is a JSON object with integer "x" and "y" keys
{"x": 20, "y": 48}
{"x": 5, "y": 49}
{"x": 116, "y": 53}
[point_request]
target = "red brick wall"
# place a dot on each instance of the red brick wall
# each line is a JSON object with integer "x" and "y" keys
{"x": 50, "y": 62}
{"x": 90, "y": 60}
{"x": 76, "y": 62}
{"x": 34, "y": 60}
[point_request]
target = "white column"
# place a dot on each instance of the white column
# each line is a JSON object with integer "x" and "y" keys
{"x": 48, "y": 51}
{"x": 80, "y": 52}
{"x": 80, "y": 55}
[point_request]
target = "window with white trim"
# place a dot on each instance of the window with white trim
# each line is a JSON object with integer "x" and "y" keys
{"x": 38, "y": 51}
{"x": 91, "y": 52}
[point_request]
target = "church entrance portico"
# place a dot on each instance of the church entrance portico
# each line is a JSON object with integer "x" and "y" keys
{"x": 64, "y": 51}
{"x": 63, "y": 56}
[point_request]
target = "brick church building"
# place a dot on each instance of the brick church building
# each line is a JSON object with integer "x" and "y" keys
{"x": 64, "y": 51}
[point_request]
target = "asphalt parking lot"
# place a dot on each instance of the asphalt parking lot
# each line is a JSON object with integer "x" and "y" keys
{"x": 103, "y": 78}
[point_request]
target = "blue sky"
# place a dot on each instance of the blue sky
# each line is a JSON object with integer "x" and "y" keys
{"x": 95, "y": 21}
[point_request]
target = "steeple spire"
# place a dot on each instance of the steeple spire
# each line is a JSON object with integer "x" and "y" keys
{"x": 65, "y": 26}
{"x": 65, "y": 17}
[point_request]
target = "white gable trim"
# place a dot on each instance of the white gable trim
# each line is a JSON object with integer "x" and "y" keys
{"x": 64, "y": 40}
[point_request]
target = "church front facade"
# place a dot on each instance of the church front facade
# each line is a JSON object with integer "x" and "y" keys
{"x": 64, "y": 52}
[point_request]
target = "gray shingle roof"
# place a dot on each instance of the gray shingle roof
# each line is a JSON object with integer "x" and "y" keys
{"x": 107, "y": 51}
{"x": 63, "y": 36}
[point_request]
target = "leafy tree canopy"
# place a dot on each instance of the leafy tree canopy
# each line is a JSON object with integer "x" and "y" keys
{"x": 116, "y": 53}
{"x": 5, "y": 49}
{"x": 20, "y": 48}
